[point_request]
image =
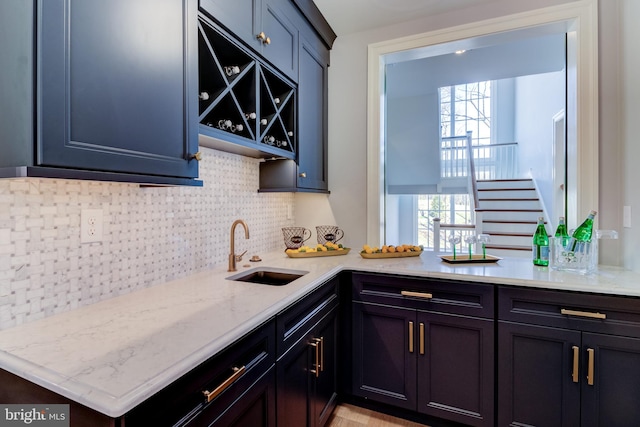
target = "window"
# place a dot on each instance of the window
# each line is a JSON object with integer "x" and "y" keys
{"x": 386, "y": 220}
{"x": 464, "y": 108}
{"x": 451, "y": 209}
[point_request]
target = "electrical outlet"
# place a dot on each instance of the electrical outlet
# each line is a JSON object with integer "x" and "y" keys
{"x": 626, "y": 216}
{"x": 91, "y": 225}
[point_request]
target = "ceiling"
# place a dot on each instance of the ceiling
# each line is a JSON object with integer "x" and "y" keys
{"x": 352, "y": 16}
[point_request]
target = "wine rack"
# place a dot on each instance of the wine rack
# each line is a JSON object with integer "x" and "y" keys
{"x": 241, "y": 99}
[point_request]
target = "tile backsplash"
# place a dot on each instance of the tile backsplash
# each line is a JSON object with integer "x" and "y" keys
{"x": 150, "y": 234}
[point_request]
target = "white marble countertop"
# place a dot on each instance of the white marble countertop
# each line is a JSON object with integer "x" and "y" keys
{"x": 112, "y": 355}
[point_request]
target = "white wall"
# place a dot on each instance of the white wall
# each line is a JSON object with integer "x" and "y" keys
{"x": 630, "y": 116}
{"x": 538, "y": 98}
{"x": 348, "y": 108}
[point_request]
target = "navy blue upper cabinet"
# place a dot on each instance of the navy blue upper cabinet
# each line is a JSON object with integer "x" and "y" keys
{"x": 114, "y": 90}
{"x": 312, "y": 113}
{"x": 113, "y": 80}
{"x": 264, "y": 25}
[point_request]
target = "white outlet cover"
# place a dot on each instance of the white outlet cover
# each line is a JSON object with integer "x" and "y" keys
{"x": 626, "y": 216}
{"x": 91, "y": 225}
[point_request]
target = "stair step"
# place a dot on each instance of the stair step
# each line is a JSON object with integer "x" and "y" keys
{"x": 530, "y": 215}
{"x": 509, "y": 227}
{"x": 509, "y": 239}
{"x": 508, "y": 204}
{"x": 506, "y": 251}
{"x": 507, "y": 194}
{"x": 510, "y": 234}
{"x": 505, "y": 183}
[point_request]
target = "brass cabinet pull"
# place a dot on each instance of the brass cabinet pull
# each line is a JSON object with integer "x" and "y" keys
{"x": 302, "y": 174}
{"x": 237, "y": 373}
{"x": 421, "y": 343}
{"x": 590, "y": 365}
{"x": 416, "y": 294}
{"x": 318, "y": 367}
{"x": 410, "y": 337}
{"x": 322, "y": 354}
{"x": 576, "y": 362}
{"x": 588, "y": 314}
{"x": 197, "y": 156}
{"x": 263, "y": 38}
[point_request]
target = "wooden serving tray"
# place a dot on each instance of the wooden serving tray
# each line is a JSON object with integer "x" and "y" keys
{"x": 344, "y": 251}
{"x": 390, "y": 254}
{"x": 464, "y": 259}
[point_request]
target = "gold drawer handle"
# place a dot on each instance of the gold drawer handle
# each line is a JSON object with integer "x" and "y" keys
{"x": 416, "y": 294}
{"x": 317, "y": 345}
{"x": 421, "y": 342}
{"x": 576, "y": 361}
{"x": 590, "y": 366}
{"x": 410, "y": 337}
{"x": 588, "y": 314}
{"x": 237, "y": 373}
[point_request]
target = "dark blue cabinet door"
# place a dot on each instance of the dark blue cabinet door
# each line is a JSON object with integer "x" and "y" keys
{"x": 241, "y": 17}
{"x": 116, "y": 86}
{"x": 535, "y": 382}
{"x": 384, "y": 361}
{"x": 455, "y": 368}
{"x": 312, "y": 108}
{"x": 611, "y": 398}
{"x": 325, "y": 384}
{"x": 282, "y": 49}
{"x": 294, "y": 384}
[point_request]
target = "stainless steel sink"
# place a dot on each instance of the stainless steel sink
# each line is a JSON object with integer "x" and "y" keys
{"x": 268, "y": 276}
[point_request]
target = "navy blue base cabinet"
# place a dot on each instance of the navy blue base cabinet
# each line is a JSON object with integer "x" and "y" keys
{"x": 568, "y": 359}
{"x": 307, "y": 368}
{"x": 425, "y": 346}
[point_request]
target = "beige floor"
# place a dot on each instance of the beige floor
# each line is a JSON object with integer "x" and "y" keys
{"x": 353, "y": 416}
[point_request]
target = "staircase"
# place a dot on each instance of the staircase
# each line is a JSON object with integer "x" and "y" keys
{"x": 509, "y": 211}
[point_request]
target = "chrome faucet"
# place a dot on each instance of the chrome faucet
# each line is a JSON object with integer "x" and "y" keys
{"x": 232, "y": 255}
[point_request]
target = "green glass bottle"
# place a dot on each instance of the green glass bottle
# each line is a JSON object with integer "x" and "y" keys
{"x": 582, "y": 235}
{"x": 541, "y": 245}
{"x": 561, "y": 232}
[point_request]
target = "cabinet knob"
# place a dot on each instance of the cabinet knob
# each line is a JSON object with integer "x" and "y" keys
{"x": 263, "y": 38}
{"x": 303, "y": 174}
{"x": 197, "y": 156}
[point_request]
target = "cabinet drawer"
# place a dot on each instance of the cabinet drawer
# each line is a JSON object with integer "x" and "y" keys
{"x": 226, "y": 375}
{"x": 616, "y": 315}
{"x": 446, "y": 296}
{"x": 296, "y": 321}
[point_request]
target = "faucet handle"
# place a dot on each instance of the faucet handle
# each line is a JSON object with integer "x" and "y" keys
{"x": 239, "y": 257}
